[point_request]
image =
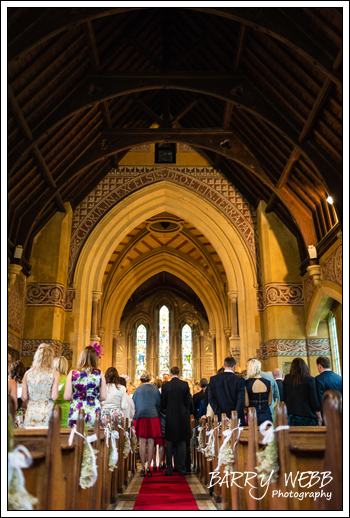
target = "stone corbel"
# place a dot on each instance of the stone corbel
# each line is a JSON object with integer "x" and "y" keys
{"x": 316, "y": 274}
{"x": 12, "y": 272}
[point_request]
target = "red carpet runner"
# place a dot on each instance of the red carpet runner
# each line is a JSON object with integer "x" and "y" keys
{"x": 161, "y": 493}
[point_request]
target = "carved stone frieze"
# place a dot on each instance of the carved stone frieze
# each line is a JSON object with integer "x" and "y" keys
{"x": 309, "y": 289}
{"x": 29, "y": 347}
{"x": 280, "y": 294}
{"x": 50, "y": 294}
{"x": 332, "y": 268}
{"x": 296, "y": 348}
{"x": 14, "y": 341}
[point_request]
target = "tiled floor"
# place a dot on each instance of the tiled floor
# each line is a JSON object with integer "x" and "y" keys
{"x": 127, "y": 499}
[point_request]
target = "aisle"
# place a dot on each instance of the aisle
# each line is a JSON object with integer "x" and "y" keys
{"x": 158, "y": 493}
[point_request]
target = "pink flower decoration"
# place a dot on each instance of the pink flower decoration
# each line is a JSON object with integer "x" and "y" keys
{"x": 98, "y": 348}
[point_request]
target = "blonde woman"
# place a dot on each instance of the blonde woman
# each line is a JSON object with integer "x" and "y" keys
{"x": 258, "y": 391}
{"x": 61, "y": 365}
{"x": 40, "y": 388}
{"x": 85, "y": 387}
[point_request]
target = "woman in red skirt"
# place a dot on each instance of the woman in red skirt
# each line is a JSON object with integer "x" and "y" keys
{"x": 146, "y": 419}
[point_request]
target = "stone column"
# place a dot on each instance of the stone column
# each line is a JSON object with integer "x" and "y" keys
{"x": 152, "y": 354}
{"x": 212, "y": 336}
{"x": 96, "y": 295}
{"x": 234, "y": 339}
{"x": 197, "y": 358}
{"x": 116, "y": 333}
{"x": 175, "y": 360}
{"x": 130, "y": 356}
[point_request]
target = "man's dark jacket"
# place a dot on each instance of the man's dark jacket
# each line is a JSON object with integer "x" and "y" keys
{"x": 176, "y": 402}
{"x": 196, "y": 402}
{"x": 280, "y": 388}
{"x": 226, "y": 393}
{"x": 328, "y": 380}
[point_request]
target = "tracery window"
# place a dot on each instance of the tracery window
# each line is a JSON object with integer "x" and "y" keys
{"x": 141, "y": 336}
{"x": 335, "y": 345}
{"x": 163, "y": 341}
{"x": 186, "y": 352}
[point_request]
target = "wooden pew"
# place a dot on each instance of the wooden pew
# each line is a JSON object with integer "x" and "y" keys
{"x": 333, "y": 459}
{"x": 54, "y": 476}
{"x": 44, "y": 479}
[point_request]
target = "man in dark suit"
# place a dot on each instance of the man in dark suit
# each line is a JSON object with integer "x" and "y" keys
{"x": 176, "y": 404}
{"x": 227, "y": 391}
{"x": 327, "y": 379}
{"x": 199, "y": 396}
{"x": 278, "y": 375}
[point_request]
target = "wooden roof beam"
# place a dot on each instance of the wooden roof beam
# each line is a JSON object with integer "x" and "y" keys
{"x": 184, "y": 111}
{"x": 17, "y": 112}
{"x": 288, "y": 168}
{"x": 147, "y": 110}
{"x": 48, "y": 177}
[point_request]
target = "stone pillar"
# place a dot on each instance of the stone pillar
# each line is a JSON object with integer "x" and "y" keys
{"x": 175, "y": 360}
{"x": 152, "y": 354}
{"x": 197, "y": 358}
{"x": 96, "y": 295}
{"x": 212, "y": 335}
{"x": 130, "y": 356}
{"x": 227, "y": 332}
{"x": 116, "y": 333}
{"x": 234, "y": 339}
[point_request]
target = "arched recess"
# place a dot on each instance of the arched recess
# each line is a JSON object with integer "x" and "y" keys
{"x": 133, "y": 210}
{"x": 164, "y": 261}
{"x": 329, "y": 290}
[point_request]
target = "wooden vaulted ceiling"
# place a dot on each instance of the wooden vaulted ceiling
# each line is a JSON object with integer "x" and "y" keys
{"x": 258, "y": 89}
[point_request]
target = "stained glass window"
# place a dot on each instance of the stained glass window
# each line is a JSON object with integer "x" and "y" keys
{"x": 163, "y": 341}
{"x": 140, "y": 350}
{"x": 186, "y": 352}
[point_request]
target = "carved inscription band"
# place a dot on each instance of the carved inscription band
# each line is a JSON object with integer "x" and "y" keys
{"x": 296, "y": 348}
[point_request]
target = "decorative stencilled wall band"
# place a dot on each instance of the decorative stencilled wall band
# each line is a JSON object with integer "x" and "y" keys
{"x": 206, "y": 181}
{"x": 332, "y": 268}
{"x": 14, "y": 342}
{"x": 29, "y": 347}
{"x": 50, "y": 294}
{"x": 296, "y": 348}
{"x": 280, "y": 294}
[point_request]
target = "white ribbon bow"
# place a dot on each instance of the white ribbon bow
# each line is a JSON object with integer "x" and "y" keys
{"x": 114, "y": 436}
{"x": 89, "y": 439}
{"x": 126, "y": 434}
{"x": 18, "y": 459}
{"x": 227, "y": 434}
{"x": 107, "y": 432}
{"x": 268, "y": 432}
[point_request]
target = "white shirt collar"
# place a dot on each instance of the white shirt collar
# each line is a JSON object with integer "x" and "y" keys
{"x": 228, "y": 370}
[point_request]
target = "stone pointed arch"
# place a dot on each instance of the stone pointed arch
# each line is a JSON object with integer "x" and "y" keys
{"x": 131, "y": 211}
{"x": 329, "y": 290}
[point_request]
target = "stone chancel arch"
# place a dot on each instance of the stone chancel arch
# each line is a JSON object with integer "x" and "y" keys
{"x": 136, "y": 208}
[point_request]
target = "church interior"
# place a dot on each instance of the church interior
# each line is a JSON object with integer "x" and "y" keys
{"x": 175, "y": 186}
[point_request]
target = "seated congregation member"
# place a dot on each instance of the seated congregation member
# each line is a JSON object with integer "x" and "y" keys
{"x": 327, "y": 379}
{"x": 299, "y": 394}
{"x": 278, "y": 375}
{"x": 227, "y": 391}
{"x": 258, "y": 392}
{"x": 116, "y": 400}
{"x": 85, "y": 388}
{"x": 199, "y": 396}
{"x": 40, "y": 387}
{"x": 176, "y": 404}
{"x": 61, "y": 365}
{"x": 130, "y": 407}
{"x": 146, "y": 419}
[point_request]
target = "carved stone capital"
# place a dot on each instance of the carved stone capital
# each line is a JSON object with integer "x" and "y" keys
{"x": 233, "y": 295}
{"x": 316, "y": 274}
{"x": 116, "y": 333}
{"x": 212, "y": 333}
{"x": 95, "y": 338}
{"x": 12, "y": 272}
{"x": 101, "y": 331}
{"x": 96, "y": 295}
{"x": 227, "y": 331}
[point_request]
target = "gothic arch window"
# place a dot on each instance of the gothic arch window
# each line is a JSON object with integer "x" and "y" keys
{"x": 141, "y": 341}
{"x": 163, "y": 341}
{"x": 186, "y": 352}
{"x": 334, "y": 343}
